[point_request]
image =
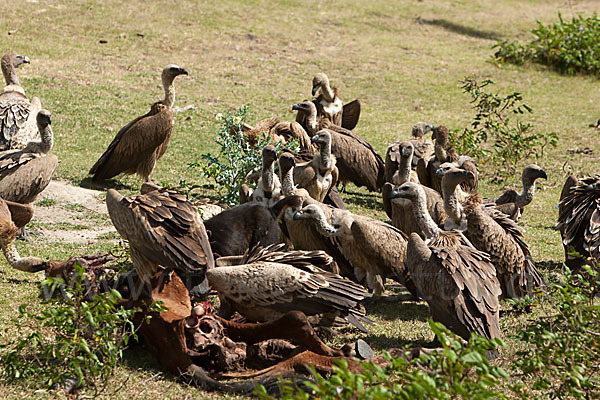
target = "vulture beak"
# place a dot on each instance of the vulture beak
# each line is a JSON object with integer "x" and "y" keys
{"x": 429, "y": 128}
{"x": 49, "y": 120}
{"x": 394, "y": 194}
{"x": 314, "y": 138}
{"x": 297, "y": 215}
{"x": 296, "y": 107}
{"x": 182, "y": 72}
{"x": 543, "y": 174}
{"x": 440, "y": 172}
{"x": 26, "y": 60}
{"x": 314, "y": 89}
{"x": 406, "y": 151}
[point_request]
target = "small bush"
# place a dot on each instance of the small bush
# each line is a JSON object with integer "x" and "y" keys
{"x": 458, "y": 371}
{"x": 236, "y": 158}
{"x": 498, "y": 119}
{"x": 568, "y": 46}
{"x": 76, "y": 338}
{"x": 563, "y": 349}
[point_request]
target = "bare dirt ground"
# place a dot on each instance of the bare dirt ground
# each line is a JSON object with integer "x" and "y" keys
{"x": 67, "y": 213}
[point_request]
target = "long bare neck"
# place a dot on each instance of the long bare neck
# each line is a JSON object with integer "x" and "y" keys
{"x": 424, "y": 220}
{"x": 325, "y": 153}
{"x": 526, "y": 195}
{"x": 169, "y": 92}
{"x": 404, "y": 169}
{"x": 311, "y": 121}
{"x": 328, "y": 93}
{"x": 43, "y": 146}
{"x": 440, "y": 150}
{"x": 15, "y": 261}
{"x": 287, "y": 182}
{"x": 268, "y": 176}
{"x": 452, "y": 204}
{"x": 10, "y": 74}
{"x": 323, "y": 226}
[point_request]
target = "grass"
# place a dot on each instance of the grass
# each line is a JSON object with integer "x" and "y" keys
{"x": 403, "y": 60}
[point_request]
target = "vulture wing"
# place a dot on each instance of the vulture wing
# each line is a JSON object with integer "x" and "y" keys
{"x": 351, "y": 114}
{"x": 24, "y": 175}
{"x": 14, "y": 112}
{"x": 134, "y": 143}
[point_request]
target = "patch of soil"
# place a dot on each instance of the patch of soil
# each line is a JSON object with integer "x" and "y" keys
{"x": 72, "y": 205}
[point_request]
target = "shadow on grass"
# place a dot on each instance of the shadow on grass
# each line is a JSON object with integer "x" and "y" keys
{"x": 460, "y": 29}
{"x": 400, "y": 310}
{"x": 385, "y": 342}
{"x": 106, "y": 184}
{"x": 549, "y": 265}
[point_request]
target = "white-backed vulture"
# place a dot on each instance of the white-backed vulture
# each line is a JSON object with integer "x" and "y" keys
{"x": 423, "y": 146}
{"x": 25, "y": 173}
{"x": 375, "y": 249}
{"x": 139, "y": 144}
{"x": 14, "y": 216}
{"x": 358, "y": 162}
{"x": 492, "y": 231}
{"x": 321, "y": 174}
{"x": 329, "y": 105}
{"x": 304, "y": 235}
{"x": 17, "y": 113}
{"x": 579, "y": 220}
{"x": 399, "y": 210}
{"x": 268, "y": 187}
{"x": 266, "y": 283}
{"x": 520, "y": 200}
{"x": 458, "y": 281}
{"x": 162, "y": 228}
{"x": 443, "y": 152}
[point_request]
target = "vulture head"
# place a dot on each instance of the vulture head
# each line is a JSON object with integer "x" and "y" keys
{"x": 406, "y": 149}
{"x": 171, "y": 71}
{"x": 9, "y": 62}
{"x": 455, "y": 176}
{"x": 320, "y": 80}
{"x": 308, "y": 108}
{"x": 531, "y": 173}
{"x": 409, "y": 190}
{"x": 43, "y": 119}
{"x": 315, "y": 212}
{"x": 443, "y": 168}
{"x": 420, "y": 129}
{"x": 286, "y": 162}
{"x": 269, "y": 155}
{"x": 322, "y": 138}
{"x": 440, "y": 135}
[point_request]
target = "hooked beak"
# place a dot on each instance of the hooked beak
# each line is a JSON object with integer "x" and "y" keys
{"x": 394, "y": 194}
{"x": 26, "y": 60}
{"x": 297, "y": 215}
{"x": 182, "y": 72}
{"x": 314, "y": 89}
{"x": 296, "y": 107}
{"x": 440, "y": 172}
{"x": 314, "y": 138}
{"x": 543, "y": 174}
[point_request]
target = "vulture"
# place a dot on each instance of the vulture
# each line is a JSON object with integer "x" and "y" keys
{"x": 17, "y": 113}
{"x": 13, "y": 217}
{"x": 25, "y": 173}
{"x": 268, "y": 188}
{"x": 265, "y": 283}
{"x": 277, "y": 131}
{"x": 492, "y": 231}
{"x": 458, "y": 281}
{"x": 399, "y": 210}
{"x": 139, "y": 144}
{"x": 320, "y": 175}
{"x": 579, "y": 220}
{"x": 422, "y": 149}
{"x": 443, "y": 152}
{"x": 162, "y": 228}
{"x": 357, "y": 160}
{"x": 397, "y": 153}
{"x": 375, "y": 249}
{"x": 516, "y": 202}
{"x": 329, "y": 105}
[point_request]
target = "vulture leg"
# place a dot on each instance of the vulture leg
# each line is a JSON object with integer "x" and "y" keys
{"x": 292, "y": 325}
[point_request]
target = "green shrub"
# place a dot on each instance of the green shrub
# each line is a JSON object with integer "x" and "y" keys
{"x": 498, "y": 119}
{"x": 73, "y": 338}
{"x": 458, "y": 371}
{"x": 236, "y": 158}
{"x": 568, "y": 46}
{"x": 563, "y": 349}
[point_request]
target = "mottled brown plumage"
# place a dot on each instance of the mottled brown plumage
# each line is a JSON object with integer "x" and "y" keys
{"x": 443, "y": 152}
{"x": 423, "y": 146}
{"x": 357, "y": 160}
{"x": 398, "y": 163}
{"x": 17, "y": 113}
{"x": 25, "y": 173}
{"x": 457, "y": 281}
{"x": 162, "y": 228}
{"x": 320, "y": 175}
{"x": 579, "y": 220}
{"x": 139, "y": 144}
{"x": 267, "y": 283}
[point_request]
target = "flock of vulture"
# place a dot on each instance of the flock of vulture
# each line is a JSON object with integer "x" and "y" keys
{"x": 446, "y": 244}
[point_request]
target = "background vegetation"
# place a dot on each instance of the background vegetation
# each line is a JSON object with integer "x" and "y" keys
{"x": 96, "y": 66}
